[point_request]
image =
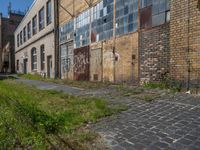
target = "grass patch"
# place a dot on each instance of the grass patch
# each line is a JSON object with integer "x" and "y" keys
{"x": 79, "y": 84}
{"x": 37, "y": 119}
{"x": 173, "y": 87}
{"x": 154, "y": 85}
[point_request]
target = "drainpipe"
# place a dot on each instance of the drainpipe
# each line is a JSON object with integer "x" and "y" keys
{"x": 188, "y": 46}
{"x": 114, "y": 42}
{"x": 56, "y": 39}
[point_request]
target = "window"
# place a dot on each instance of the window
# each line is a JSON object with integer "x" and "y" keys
{"x": 160, "y": 12}
{"x": 67, "y": 32}
{"x": 17, "y": 67}
{"x": 145, "y": 3}
{"x": 82, "y": 29}
{"x": 42, "y": 56}
{"x": 34, "y": 59}
{"x": 29, "y": 30}
{"x": 41, "y": 19}
{"x": 17, "y": 40}
{"x": 21, "y": 38}
{"x": 102, "y": 21}
{"x": 24, "y": 34}
{"x": 34, "y": 25}
{"x": 126, "y": 16}
{"x": 154, "y": 12}
{"x": 48, "y": 12}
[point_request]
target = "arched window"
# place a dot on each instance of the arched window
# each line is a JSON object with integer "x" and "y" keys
{"x": 42, "y": 57}
{"x": 34, "y": 58}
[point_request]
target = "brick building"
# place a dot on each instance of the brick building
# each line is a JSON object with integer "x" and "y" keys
{"x": 185, "y": 42}
{"x": 35, "y": 40}
{"x": 124, "y": 40}
{"x": 114, "y": 40}
{"x": 7, "y": 28}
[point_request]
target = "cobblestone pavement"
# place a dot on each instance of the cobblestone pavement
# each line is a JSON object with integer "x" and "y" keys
{"x": 171, "y": 123}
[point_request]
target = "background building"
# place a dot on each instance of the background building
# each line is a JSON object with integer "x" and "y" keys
{"x": 35, "y": 40}
{"x": 134, "y": 41}
{"x": 7, "y": 28}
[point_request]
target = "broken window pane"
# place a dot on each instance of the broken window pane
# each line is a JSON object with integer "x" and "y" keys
{"x": 146, "y": 17}
{"x": 155, "y": 14}
{"x": 82, "y": 29}
{"x": 126, "y": 16}
{"x": 102, "y": 21}
{"x": 67, "y": 32}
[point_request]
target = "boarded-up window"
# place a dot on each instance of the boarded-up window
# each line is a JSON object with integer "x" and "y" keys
{"x": 146, "y": 17}
{"x": 154, "y": 12}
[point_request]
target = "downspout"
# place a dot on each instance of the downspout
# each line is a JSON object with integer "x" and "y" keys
{"x": 56, "y": 39}
{"x": 114, "y": 43}
{"x": 139, "y": 40}
{"x": 90, "y": 32}
{"x": 188, "y": 46}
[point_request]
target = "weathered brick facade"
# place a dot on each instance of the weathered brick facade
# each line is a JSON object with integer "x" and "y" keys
{"x": 185, "y": 42}
{"x": 148, "y": 44}
{"x": 154, "y": 53}
{"x": 7, "y": 28}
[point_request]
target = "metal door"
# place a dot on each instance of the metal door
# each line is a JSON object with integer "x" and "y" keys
{"x": 49, "y": 67}
{"x": 67, "y": 54}
{"x": 96, "y": 64}
{"x": 81, "y": 63}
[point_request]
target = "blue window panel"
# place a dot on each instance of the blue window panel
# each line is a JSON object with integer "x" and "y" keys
{"x": 130, "y": 18}
{"x": 130, "y": 27}
{"x": 126, "y": 10}
{"x": 158, "y": 19}
{"x": 102, "y": 26}
{"x": 67, "y": 32}
{"x": 126, "y": 16}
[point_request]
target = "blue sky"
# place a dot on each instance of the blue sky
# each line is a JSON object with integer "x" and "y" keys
{"x": 16, "y": 5}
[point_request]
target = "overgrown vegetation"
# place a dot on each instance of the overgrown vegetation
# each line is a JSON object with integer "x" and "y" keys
{"x": 80, "y": 84}
{"x": 35, "y": 119}
{"x": 168, "y": 84}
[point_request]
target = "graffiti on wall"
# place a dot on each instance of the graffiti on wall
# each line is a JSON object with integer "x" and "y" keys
{"x": 66, "y": 64}
{"x": 81, "y": 63}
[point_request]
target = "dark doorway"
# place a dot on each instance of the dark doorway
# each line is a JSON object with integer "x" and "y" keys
{"x": 49, "y": 67}
{"x": 25, "y": 66}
